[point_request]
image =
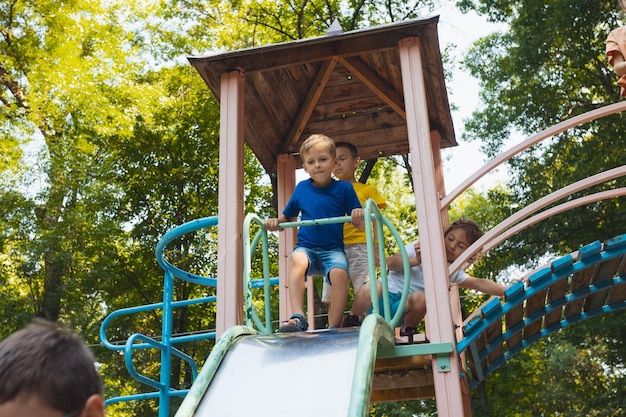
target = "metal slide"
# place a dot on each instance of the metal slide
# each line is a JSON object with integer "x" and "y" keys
{"x": 285, "y": 375}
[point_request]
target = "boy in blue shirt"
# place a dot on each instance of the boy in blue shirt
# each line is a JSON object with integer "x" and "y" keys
{"x": 320, "y": 248}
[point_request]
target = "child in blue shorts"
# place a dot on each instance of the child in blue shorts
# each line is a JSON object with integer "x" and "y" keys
{"x": 320, "y": 248}
{"x": 459, "y": 236}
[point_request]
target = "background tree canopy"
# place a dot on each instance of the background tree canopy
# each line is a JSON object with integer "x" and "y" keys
{"x": 547, "y": 67}
{"x": 108, "y": 139}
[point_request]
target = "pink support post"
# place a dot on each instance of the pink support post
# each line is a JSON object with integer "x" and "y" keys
{"x": 439, "y": 318}
{"x": 230, "y": 208}
{"x": 286, "y": 182}
{"x": 310, "y": 302}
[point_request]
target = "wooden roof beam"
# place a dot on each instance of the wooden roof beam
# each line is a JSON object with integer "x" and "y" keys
{"x": 375, "y": 83}
{"x": 316, "y": 90}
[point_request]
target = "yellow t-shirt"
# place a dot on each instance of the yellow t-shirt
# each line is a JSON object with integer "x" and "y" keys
{"x": 352, "y": 235}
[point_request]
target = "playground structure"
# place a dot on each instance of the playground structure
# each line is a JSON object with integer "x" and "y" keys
{"x": 362, "y": 86}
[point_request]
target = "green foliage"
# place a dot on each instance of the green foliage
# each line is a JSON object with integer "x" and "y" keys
{"x": 565, "y": 374}
{"x": 239, "y": 24}
{"x": 109, "y": 139}
{"x": 548, "y": 66}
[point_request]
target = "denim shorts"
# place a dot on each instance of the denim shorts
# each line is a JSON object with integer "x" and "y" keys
{"x": 321, "y": 261}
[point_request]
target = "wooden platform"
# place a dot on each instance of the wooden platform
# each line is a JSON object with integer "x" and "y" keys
{"x": 399, "y": 379}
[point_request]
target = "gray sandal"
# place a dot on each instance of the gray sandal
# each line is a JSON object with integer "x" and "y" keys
{"x": 299, "y": 324}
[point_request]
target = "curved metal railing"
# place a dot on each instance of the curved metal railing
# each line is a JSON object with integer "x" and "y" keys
{"x": 137, "y": 342}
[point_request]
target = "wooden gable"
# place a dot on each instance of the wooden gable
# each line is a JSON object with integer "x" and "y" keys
{"x": 347, "y": 86}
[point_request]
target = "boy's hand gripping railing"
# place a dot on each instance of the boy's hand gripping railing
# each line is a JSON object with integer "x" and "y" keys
{"x": 248, "y": 251}
{"x": 373, "y": 216}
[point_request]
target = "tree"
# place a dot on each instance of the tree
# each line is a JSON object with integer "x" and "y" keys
{"x": 532, "y": 82}
{"x": 547, "y": 67}
{"x": 62, "y": 65}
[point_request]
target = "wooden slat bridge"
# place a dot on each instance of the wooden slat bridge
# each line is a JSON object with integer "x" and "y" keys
{"x": 575, "y": 287}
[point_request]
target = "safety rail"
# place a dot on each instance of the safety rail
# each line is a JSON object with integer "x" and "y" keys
{"x": 373, "y": 218}
{"x": 138, "y": 341}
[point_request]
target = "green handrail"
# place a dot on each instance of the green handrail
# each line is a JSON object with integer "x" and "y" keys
{"x": 248, "y": 251}
{"x": 373, "y": 218}
{"x": 374, "y": 331}
{"x": 371, "y": 210}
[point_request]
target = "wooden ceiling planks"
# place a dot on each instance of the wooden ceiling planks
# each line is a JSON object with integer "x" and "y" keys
{"x": 348, "y": 86}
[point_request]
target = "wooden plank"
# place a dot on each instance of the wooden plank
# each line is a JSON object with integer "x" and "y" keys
{"x": 618, "y": 294}
{"x": 513, "y": 318}
{"x": 306, "y": 109}
{"x": 603, "y": 272}
{"x": 579, "y": 280}
{"x": 402, "y": 378}
{"x": 481, "y": 345}
{"x": 356, "y": 123}
{"x": 408, "y": 379}
{"x": 556, "y": 291}
{"x": 403, "y": 362}
{"x": 335, "y": 109}
{"x": 379, "y": 142}
{"x": 406, "y": 394}
{"x": 354, "y": 90}
{"x": 376, "y": 84}
{"x": 494, "y": 331}
{"x": 383, "y": 64}
{"x": 533, "y": 304}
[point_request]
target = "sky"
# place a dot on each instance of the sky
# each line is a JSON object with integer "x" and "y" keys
{"x": 461, "y": 161}
{"x": 462, "y": 30}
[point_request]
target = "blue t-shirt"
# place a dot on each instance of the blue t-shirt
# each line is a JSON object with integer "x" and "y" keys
{"x": 311, "y": 202}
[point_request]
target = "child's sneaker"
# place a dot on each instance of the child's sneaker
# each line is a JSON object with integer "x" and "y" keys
{"x": 408, "y": 331}
{"x": 351, "y": 321}
{"x": 296, "y": 323}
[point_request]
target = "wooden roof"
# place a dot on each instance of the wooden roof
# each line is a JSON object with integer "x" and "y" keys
{"x": 347, "y": 86}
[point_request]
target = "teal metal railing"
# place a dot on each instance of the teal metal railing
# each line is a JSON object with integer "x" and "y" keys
{"x": 138, "y": 342}
{"x": 373, "y": 219}
{"x": 163, "y": 390}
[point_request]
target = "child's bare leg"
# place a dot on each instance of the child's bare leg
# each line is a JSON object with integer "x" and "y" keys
{"x": 415, "y": 309}
{"x": 298, "y": 263}
{"x": 363, "y": 299}
{"x": 338, "y": 296}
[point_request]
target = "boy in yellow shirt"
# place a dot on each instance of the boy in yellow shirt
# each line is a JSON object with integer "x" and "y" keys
{"x": 354, "y": 240}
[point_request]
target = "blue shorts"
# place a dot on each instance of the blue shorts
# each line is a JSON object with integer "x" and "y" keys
{"x": 321, "y": 261}
{"x": 394, "y": 304}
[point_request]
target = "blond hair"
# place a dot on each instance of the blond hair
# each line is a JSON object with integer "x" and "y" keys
{"x": 318, "y": 140}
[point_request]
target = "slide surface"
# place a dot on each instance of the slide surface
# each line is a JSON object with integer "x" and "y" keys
{"x": 297, "y": 374}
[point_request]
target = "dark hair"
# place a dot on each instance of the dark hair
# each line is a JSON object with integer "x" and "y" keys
{"x": 471, "y": 229}
{"x": 353, "y": 150}
{"x": 50, "y": 363}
